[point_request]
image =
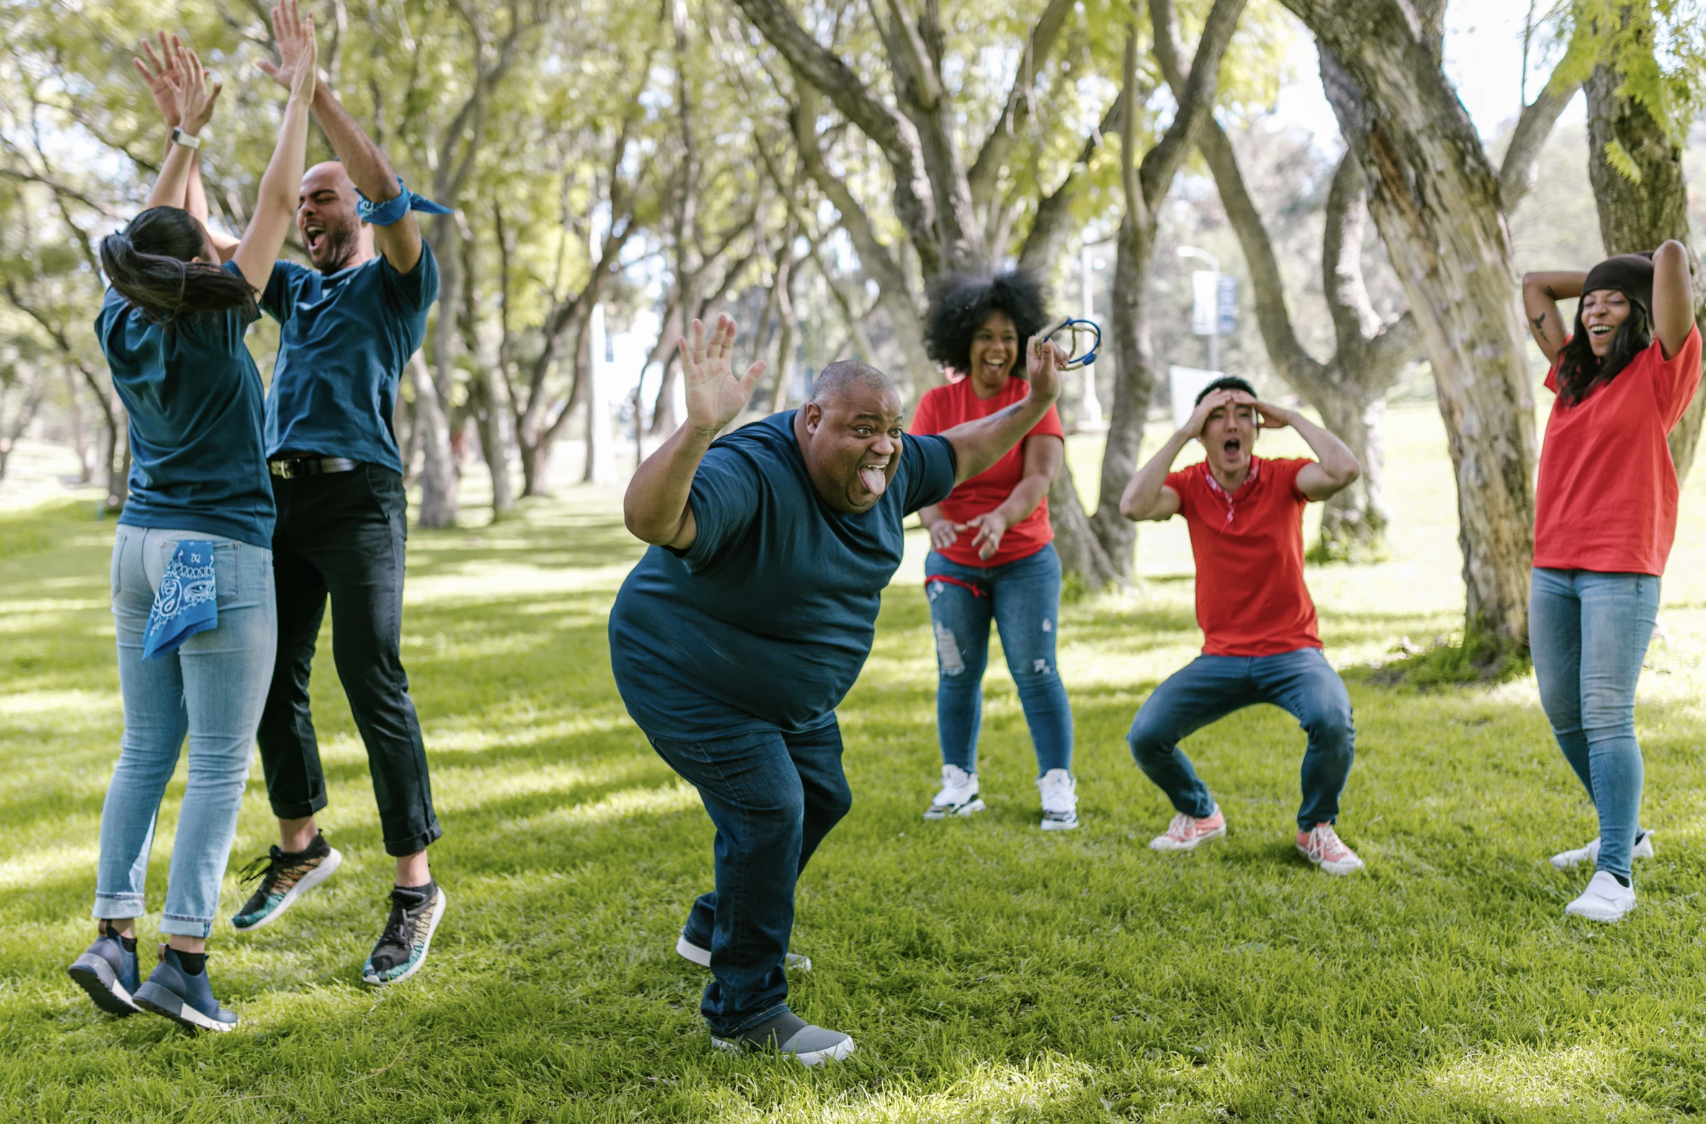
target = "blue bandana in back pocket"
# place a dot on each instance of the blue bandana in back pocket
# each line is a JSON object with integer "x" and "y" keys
{"x": 186, "y": 603}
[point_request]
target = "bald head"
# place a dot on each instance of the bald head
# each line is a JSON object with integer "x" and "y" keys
{"x": 836, "y": 380}
{"x": 850, "y": 435}
{"x": 326, "y": 218}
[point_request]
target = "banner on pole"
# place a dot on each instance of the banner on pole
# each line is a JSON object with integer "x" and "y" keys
{"x": 1186, "y": 383}
{"x": 1214, "y": 296}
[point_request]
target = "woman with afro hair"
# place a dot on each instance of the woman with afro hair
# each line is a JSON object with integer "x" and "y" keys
{"x": 992, "y": 556}
{"x": 1605, "y": 518}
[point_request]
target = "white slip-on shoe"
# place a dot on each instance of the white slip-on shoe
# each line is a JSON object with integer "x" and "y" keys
{"x": 1605, "y": 899}
{"x": 1564, "y": 860}
{"x": 1059, "y": 791}
{"x": 958, "y": 796}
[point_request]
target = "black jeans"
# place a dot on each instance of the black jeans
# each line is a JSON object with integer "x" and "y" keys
{"x": 773, "y": 797}
{"x": 342, "y": 534}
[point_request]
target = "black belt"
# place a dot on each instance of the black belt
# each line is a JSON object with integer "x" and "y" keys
{"x": 292, "y": 467}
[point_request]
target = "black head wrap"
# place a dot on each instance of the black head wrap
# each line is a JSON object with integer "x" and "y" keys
{"x": 1629, "y": 274}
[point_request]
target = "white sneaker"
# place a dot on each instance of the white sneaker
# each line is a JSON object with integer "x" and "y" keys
{"x": 1060, "y": 800}
{"x": 1605, "y": 899}
{"x": 1564, "y": 860}
{"x": 1186, "y": 831}
{"x": 958, "y": 796}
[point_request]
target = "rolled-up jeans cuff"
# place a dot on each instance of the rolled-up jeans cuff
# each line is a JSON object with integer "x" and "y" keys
{"x": 117, "y": 907}
{"x": 751, "y": 1021}
{"x": 410, "y": 844}
{"x": 179, "y": 926}
{"x": 299, "y": 811}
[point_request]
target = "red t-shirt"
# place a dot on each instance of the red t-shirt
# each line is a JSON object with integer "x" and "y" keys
{"x": 1606, "y": 498}
{"x": 1251, "y": 600}
{"x": 948, "y": 406}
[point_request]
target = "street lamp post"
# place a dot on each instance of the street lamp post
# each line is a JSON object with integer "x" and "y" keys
{"x": 1213, "y": 264}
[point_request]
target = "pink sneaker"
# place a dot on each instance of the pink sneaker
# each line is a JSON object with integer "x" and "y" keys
{"x": 1185, "y": 832}
{"x": 1325, "y": 849}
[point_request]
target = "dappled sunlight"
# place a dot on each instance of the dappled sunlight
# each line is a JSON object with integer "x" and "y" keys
{"x": 1524, "y": 1077}
{"x": 677, "y": 796}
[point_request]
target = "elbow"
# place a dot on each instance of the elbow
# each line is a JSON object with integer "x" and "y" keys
{"x": 1131, "y": 511}
{"x": 1350, "y": 473}
{"x": 1671, "y": 254}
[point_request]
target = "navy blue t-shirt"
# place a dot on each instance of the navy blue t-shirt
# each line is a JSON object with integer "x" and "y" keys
{"x": 764, "y": 622}
{"x": 194, "y": 399}
{"x": 343, "y": 341}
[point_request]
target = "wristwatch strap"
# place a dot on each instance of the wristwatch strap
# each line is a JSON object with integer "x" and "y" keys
{"x": 188, "y": 140}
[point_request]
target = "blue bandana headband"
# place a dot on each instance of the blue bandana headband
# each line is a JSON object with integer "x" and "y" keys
{"x": 392, "y": 210}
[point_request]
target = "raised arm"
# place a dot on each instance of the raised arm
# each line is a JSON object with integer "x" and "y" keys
{"x": 655, "y": 508}
{"x": 194, "y": 98}
{"x": 979, "y": 444}
{"x": 1541, "y": 293}
{"x": 363, "y": 161}
{"x": 275, "y": 205}
{"x": 1147, "y": 496}
{"x": 1673, "y": 298}
{"x": 1335, "y": 466}
{"x": 160, "y": 71}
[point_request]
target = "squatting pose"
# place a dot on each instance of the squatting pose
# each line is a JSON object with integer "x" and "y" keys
{"x": 1245, "y": 515}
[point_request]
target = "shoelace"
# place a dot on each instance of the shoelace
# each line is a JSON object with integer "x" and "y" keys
{"x": 1181, "y": 827}
{"x": 262, "y": 869}
{"x": 399, "y": 920}
{"x": 1324, "y": 841}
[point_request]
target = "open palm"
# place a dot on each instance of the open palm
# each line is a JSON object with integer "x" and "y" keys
{"x": 714, "y": 396}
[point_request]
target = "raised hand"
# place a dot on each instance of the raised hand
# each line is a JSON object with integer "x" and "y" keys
{"x": 714, "y": 396}
{"x": 944, "y": 532}
{"x": 1211, "y": 402}
{"x": 191, "y": 90}
{"x": 1270, "y": 416}
{"x": 1043, "y": 361}
{"x": 298, "y": 54}
{"x": 158, "y": 72}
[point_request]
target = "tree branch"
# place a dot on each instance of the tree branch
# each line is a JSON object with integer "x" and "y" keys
{"x": 1522, "y": 159}
{"x": 999, "y": 143}
{"x": 1197, "y": 92}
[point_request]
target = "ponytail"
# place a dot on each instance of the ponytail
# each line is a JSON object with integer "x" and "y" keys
{"x": 151, "y": 264}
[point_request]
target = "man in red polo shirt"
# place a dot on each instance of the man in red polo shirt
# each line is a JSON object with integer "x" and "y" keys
{"x": 1245, "y": 515}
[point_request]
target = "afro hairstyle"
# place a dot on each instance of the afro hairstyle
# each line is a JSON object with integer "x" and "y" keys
{"x": 961, "y": 302}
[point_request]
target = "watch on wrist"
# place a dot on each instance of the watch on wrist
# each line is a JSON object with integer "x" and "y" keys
{"x": 188, "y": 140}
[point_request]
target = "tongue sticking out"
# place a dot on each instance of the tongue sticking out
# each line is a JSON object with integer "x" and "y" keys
{"x": 874, "y": 480}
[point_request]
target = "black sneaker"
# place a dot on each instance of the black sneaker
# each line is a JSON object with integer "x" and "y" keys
{"x": 403, "y": 946}
{"x": 108, "y": 972}
{"x": 172, "y": 991}
{"x": 284, "y": 877}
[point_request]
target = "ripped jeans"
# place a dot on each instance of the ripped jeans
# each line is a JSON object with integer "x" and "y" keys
{"x": 1023, "y": 599}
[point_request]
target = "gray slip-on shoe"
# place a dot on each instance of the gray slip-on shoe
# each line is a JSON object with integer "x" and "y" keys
{"x": 789, "y": 1035}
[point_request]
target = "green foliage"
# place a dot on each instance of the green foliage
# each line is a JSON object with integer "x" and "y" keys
{"x": 1658, "y": 48}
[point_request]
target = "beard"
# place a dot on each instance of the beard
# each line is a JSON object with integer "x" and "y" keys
{"x": 339, "y": 245}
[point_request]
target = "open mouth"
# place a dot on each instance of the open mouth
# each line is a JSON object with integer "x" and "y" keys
{"x": 315, "y": 235}
{"x": 1601, "y": 331}
{"x": 874, "y": 477}
{"x": 1232, "y": 446}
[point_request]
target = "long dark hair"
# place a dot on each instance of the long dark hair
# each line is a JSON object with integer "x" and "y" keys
{"x": 1580, "y": 371}
{"x": 151, "y": 264}
{"x": 961, "y": 302}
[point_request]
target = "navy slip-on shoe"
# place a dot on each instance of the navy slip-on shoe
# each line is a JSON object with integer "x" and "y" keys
{"x": 109, "y": 974}
{"x": 185, "y": 999}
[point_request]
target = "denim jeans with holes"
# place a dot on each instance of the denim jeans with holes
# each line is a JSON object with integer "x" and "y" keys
{"x": 1022, "y": 599}
{"x": 209, "y": 691}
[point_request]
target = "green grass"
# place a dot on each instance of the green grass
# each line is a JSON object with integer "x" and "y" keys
{"x": 989, "y": 972}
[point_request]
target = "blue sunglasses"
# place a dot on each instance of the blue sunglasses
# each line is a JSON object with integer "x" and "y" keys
{"x": 1083, "y": 338}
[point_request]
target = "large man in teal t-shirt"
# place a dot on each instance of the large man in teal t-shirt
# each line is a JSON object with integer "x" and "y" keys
{"x": 347, "y": 328}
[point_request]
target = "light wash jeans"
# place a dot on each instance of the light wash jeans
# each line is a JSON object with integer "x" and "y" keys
{"x": 1022, "y": 598}
{"x": 212, "y": 689}
{"x": 1589, "y": 634}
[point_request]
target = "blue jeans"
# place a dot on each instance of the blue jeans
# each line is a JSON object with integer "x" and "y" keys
{"x": 773, "y": 797}
{"x": 1589, "y": 634}
{"x": 211, "y": 689}
{"x": 1023, "y": 599}
{"x": 1209, "y": 688}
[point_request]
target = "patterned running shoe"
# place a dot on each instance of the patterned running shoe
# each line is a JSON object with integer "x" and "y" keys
{"x": 108, "y": 972}
{"x": 1323, "y": 847}
{"x": 958, "y": 796}
{"x": 1185, "y": 832}
{"x": 404, "y": 944}
{"x": 284, "y": 876}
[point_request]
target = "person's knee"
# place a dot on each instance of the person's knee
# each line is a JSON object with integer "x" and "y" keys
{"x": 832, "y": 805}
{"x": 1148, "y": 740}
{"x": 1329, "y": 724}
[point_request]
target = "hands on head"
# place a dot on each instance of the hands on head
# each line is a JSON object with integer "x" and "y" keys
{"x": 715, "y": 397}
{"x": 297, "y": 69}
{"x": 1267, "y": 415}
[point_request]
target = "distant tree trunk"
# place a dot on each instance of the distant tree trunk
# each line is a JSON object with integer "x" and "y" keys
{"x": 438, "y": 467}
{"x": 79, "y": 429}
{"x": 494, "y": 444}
{"x": 1640, "y": 214}
{"x": 1081, "y": 553}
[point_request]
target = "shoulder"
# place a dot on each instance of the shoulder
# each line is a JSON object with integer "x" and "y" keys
{"x": 937, "y": 403}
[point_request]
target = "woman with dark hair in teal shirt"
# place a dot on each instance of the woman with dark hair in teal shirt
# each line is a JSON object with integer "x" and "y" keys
{"x": 192, "y": 566}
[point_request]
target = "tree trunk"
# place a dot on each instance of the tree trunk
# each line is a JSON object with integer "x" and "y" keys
{"x": 1637, "y": 215}
{"x": 1354, "y": 521}
{"x": 438, "y": 468}
{"x": 494, "y": 446}
{"x": 79, "y": 430}
{"x": 118, "y": 460}
{"x": 1435, "y": 200}
{"x": 1081, "y": 554}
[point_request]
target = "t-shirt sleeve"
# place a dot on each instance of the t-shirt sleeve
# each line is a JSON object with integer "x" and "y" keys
{"x": 929, "y": 463}
{"x": 113, "y": 306}
{"x": 1288, "y": 470}
{"x": 1180, "y": 482}
{"x": 280, "y": 295}
{"x": 1676, "y": 379}
{"x": 414, "y": 291}
{"x": 1552, "y": 371}
{"x": 724, "y": 499}
{"x": 1048, "y": 426}
{"x": 927, "y": 418}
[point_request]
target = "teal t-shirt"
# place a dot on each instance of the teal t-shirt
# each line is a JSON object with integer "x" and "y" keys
{"x": 766, "y": 620}
{"x": 194, "y": 399}
{"x": 343, "y": 341}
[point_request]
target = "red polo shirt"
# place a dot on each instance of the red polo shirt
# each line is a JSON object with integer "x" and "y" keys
{"x": 947, "y": 406}
{"x": 1251, "y": 600}
{"x": 1606, "y": 497}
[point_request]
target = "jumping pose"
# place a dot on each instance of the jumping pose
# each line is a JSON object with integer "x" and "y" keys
{"x": 992, "y": 556}
{"x": 192, "y": 579}
{"x": 347, "y": 327}
{"x": 1605, "y": 518}
{"x": 738, "y": 633}
{"x": 1245, "y": 515}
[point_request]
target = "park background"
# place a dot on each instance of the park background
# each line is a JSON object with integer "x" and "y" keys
{"x": 615, "y": 163}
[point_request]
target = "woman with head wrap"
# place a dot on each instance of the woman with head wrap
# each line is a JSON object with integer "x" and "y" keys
{"x": 1605, "y": 518}
{"x": 992, "y": 556}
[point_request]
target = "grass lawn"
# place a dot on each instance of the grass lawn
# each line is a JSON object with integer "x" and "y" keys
{"x": 989, "y": 972}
